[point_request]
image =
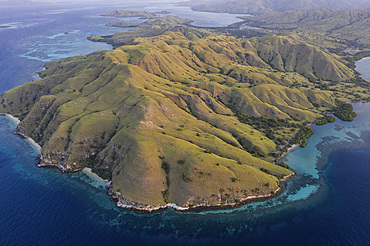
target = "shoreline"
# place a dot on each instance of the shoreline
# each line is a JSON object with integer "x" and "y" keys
{"x": 129, "y": 205}
{"x": 12, "y": 118}
{"x": 294, "y": 146}
{"x": 30, "y": 140}
{"x": 89, "y": 172}
{"x": 132, "y": 206}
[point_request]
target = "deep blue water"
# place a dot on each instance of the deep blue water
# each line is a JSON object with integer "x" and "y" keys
{"x": 327, "y": 204}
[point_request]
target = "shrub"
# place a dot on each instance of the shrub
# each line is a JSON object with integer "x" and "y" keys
{"x": 166, "y": 167}
{"x": 165, "y": 194}
{"x": 186, "y": 178}
{"x": 208, "y": 151}
{"x": 265, "y": 170}
{"x": 330, "y": 119}
{"x": 282, "y": 164}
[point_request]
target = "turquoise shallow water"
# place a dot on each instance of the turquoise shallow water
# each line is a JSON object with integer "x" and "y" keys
{"x": 326, "y": 204}
{"x": 363, "y": 67}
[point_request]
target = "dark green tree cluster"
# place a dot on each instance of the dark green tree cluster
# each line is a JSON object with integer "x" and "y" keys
{"x": 103, "y": 173}
{"x": 282, "y": 164}
{"x": 301, "y": 136}
{"x": 344, "y": 111}
{"x": 325, "y": 120}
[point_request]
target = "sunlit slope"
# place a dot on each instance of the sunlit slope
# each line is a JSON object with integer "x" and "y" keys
{"x": 158, "y": 117}
{"x": 325, "y": 27}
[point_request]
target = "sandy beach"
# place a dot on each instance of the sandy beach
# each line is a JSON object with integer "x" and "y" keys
{"x": 14, "y": 119}
{"x": 30, "y": 140}
{"x": 288, "y": 150}
{"x": 89, "y": 172}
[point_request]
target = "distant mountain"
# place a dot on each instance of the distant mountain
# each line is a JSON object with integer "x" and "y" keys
{"x": 265, "y": 6}
{"x": 350, "y": 27}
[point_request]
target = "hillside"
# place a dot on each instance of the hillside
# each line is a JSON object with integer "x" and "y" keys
{"x": 348, "y": 27}
{"x": 256, "y": 7}
{"x": 131, "y": 13}
{"x": 179, "y": 118}
{"x": 150, "y": 28}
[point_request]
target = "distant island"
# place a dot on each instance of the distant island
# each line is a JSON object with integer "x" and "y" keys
{"x": 132, "y": 13}
{"x": 122, "y": 24}
{"x": 186, "y": 117}
{"x": 257, "y": 7}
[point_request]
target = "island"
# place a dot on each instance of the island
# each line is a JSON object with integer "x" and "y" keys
{"x": 132, "y": 13}
{"x": 122, "y": 24}
{"x": 185, "y": 117}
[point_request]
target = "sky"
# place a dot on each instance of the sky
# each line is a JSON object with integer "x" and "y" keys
{"x": 75, "y": 1}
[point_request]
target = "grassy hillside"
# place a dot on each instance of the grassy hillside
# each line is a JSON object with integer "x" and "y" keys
{"x": 267, "y": 6}
{"x": 347, "y": 29}
{"x": 178, "y": 118}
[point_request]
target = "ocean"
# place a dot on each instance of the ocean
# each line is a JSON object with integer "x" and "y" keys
{"x": 326, "y": 204}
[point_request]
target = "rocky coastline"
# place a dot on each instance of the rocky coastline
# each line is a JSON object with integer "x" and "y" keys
{"x": 140, "y": 208}
{"x": 30, "y": 140}
{"x": 136, "y": 207}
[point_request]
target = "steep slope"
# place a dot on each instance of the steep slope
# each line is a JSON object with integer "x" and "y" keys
{"x": 159, "y": 119}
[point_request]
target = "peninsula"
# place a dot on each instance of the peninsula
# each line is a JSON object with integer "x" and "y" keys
{"x": 178, "y": 116}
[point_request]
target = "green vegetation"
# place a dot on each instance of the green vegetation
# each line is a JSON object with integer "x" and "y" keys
{"x": 323, "y": 121}
{"x": 302, "y": 135}
{"x": 166, "y": 167}
{"x": 283, "y": 164}
{"x": 103, "y": 173}
{"x": 186, "y": 178}
{"x": 344, "y": 111}
{"x": 165, "y": 195}
{"x": 265, "y": 170}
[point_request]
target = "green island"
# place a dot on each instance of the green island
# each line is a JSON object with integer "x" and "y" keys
{"x": 189, "y": 116}
{"x": 134, "y": 13}
{"x": 122, "y": 24}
